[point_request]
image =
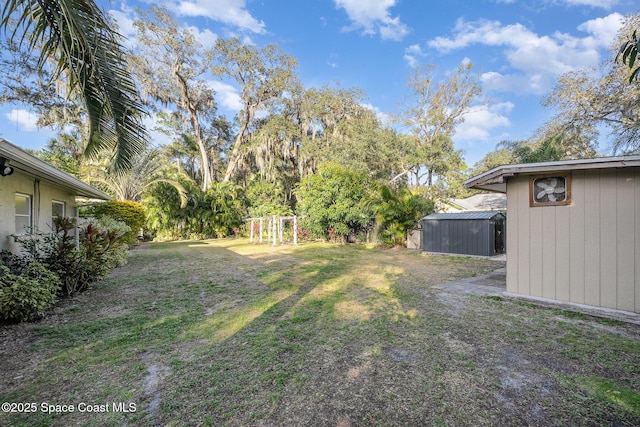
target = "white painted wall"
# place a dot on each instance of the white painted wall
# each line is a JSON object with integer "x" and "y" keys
{"x": 42, "y": 194}
{"x": 587, "y": 252}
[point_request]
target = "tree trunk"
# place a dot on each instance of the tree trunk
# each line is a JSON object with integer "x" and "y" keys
{"x": 197, "y": 130}
{"x": 234, "y": 158}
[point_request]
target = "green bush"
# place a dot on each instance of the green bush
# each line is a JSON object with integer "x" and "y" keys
{"x": 218, "y": 212}
{"x": 397, "y": 211}
{"x": 331, "y": 202}
{"x": 131, "y": 213}
{"x": 116, "y": 255}
{"x": 27, "y": 295}
{"x": 99, "y": 251}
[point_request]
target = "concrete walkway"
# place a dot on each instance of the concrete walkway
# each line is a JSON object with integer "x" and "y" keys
{"x": 495, "y": 284}
{"x": 492, "y": 284}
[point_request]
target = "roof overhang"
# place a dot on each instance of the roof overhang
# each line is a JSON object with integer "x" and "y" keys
{"x": 496, "y": 178}
{"x": 24, "y": 162}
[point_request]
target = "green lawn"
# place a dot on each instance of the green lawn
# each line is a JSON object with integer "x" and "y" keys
{"x": 225, "y": 333}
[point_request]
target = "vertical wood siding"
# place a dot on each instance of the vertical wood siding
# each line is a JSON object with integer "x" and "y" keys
{"x": 586, "y": 252}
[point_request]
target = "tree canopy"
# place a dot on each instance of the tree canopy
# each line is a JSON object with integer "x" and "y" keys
{"x": 76, "y": 37}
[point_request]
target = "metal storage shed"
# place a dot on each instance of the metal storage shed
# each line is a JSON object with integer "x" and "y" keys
{"x": 467, "y": 233}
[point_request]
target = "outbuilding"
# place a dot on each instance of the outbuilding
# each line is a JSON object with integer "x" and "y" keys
{"x": 466, "y": 233}
{"x": 573, "y": 230}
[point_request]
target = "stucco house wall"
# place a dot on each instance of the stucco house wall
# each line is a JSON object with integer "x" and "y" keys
{"x": 586, "y": 251}
{"x": 43, "y": 184}
{"x": 42, "y": 195}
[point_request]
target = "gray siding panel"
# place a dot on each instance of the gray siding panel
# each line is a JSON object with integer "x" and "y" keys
{"x": 463, "y": 234}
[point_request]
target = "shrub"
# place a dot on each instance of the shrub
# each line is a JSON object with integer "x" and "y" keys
{"x": 78, "y": 268}
{"x": 27, "y": 295}
{"x": 116, "y": 255}
{"x": 98, "y": 252}
{"x": 131, "y": 213}
{"x": 397, "y": 211}
{"x": 331, "y": 202}
{"x": 214, "y": 213}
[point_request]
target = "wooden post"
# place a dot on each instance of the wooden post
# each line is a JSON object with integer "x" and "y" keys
{"x": 281, "y": 225}
{"x": 251, "y": 232}
{"x": 269, "y": 225}
{"x": 261, "y": 223}
{"x": 275, "y": 226}
{"x": 295, "y": 230}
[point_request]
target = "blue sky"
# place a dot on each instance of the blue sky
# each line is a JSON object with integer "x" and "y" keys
{"x": 518, "y": 48}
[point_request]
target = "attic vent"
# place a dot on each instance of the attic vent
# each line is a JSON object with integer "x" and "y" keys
{"x": 550, "y": 190}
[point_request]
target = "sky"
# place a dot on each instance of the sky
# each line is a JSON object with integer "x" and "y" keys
{"x": 518, "y": 48}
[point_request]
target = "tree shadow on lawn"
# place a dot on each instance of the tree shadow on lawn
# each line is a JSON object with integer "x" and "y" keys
{"x": 308, "y": 335}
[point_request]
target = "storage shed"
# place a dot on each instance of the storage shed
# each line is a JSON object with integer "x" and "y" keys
{"x": 467, "y": 233}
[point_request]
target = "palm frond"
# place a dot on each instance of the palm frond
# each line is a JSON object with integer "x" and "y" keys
{"x": 89, "y": 53}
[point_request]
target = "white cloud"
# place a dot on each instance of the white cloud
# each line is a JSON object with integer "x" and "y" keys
{"x": 532, "y": 61}
{"x": 603, "y": 30}
{"x": 413, "y": 54}
{"x": 384, "y": 118}
{"x": 226, "y": 95}
{"x": 373, "y": 17}
{"x": 604, "y": 4}
{"x": 23, "y": 119}
{"x": 205, "y": 37}
{"x": 479, "y": 121}
{"x": 516, "y": 83}
{"x": 231, "y": 12}
{"x": 124, "y": 20}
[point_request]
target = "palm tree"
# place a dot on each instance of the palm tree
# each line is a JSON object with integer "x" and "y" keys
{"x": 75, "y": 34}
{"x": 147, "y": 169}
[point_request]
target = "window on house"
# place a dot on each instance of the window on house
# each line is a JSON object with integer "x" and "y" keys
{"x": 23, "y": 214}
{"x": 57, "y": 209}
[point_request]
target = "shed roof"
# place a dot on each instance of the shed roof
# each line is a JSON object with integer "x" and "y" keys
{"x": 22, "y": 161}
{"x": 462, "y": 215}
{"x": 494, "y": 179}
{"x": 481, "y": 202}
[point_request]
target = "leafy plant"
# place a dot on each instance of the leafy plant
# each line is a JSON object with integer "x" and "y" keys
{"x": 332, "y": 204}
{"x": 27, "y": 295}
{"x": 266, "y": 198}
{"x": 132, "y": 213}
{"x": 397, "y": 210}
{"x": 214, "y": 213}
{"x": 77, "y": 267}
{"x": 628, "y": 53}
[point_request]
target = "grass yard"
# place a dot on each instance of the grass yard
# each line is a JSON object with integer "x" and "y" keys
{"x": 225, "y": 333}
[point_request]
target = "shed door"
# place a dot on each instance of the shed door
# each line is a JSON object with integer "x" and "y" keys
{"x": 499, "y": 235}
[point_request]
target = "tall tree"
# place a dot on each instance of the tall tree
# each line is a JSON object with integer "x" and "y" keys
{"x": 88, "y": 54}
{"x": 586, "y": 104}
{"x": 173, "y": 68}
{"x": 433, "y": 111}
{"x": 500, "y": 156}
{"x": 263, "y": 75}
{"x": 628, "y": 54}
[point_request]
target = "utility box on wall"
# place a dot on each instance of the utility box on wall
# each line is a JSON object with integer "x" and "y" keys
{"x": 466, "y": 233}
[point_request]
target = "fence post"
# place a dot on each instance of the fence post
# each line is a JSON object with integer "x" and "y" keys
{"x": 295, "y": 230}
{"x": 275, "y": 229}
